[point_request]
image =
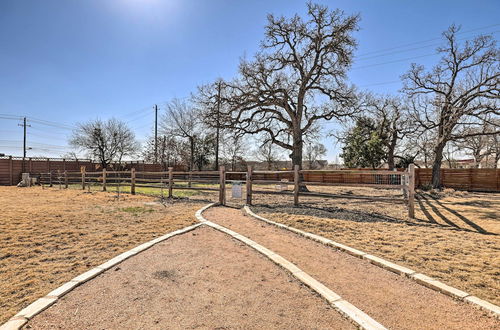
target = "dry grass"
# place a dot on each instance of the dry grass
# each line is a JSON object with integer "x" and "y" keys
{"x": 49, "y": 236}
{"x": 455, "y": 236}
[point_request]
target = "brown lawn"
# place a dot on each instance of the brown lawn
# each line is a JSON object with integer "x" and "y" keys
{"x": 49, "y": 236}
{"x": 455, "y": 236}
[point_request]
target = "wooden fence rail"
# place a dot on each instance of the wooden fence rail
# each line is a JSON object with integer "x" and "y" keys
{"x": 205, "y": 181}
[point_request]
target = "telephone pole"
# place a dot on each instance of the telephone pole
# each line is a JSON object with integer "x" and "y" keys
{"x": 156, "y": 133}
{"x": 24, "y": 125}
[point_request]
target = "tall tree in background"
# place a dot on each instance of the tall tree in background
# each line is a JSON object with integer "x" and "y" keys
{"x": 389, "y": 112}
{"x": 296, "y": 80}
{"x": 462, "y": 90}
{"x": 182, "y": 121}
{"x": 234, "y": 150}
{"x": 313, "y": 152}
{"x": 107, "y": 141}
{"x": 478, "y": 146}
{"x": 168, "y": 151}
{"x": 204, "y": 150}
{"x": 363, "y": 146}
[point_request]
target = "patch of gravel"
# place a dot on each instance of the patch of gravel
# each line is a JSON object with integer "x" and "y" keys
{"x": 202, "y": 279}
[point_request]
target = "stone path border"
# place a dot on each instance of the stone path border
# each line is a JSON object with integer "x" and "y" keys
{"x": 21, "y": 318}
{"x": 401, "y": 270}
{"x": 350, "y": 311}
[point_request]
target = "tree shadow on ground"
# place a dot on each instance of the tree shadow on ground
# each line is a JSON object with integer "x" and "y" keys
{"x": 428, "y": 201}
{"x": 338, "y": 213}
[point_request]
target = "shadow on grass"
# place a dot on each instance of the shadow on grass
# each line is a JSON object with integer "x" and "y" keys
{"x": 427, "y": 200}
{"x": 338, "y": 213}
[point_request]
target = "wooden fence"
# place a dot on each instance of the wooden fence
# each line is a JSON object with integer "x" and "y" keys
{"x": 254, "y": 181}
{"x": 12, "y": 167}
{"x": 473, "y": 179}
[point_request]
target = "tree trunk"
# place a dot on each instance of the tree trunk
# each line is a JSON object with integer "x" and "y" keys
{"x": 436, "y": 166}
{"x": 296, "y": 157}
{"x": 390, "y": 152}
{"x": 191, "y": 162}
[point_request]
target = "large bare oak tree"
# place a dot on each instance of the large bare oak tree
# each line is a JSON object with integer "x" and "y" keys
{"x": 297, "y": 79}
{"x": 462, "y": 90}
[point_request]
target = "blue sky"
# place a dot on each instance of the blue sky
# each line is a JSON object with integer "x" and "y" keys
{"x": 69, "y": 61}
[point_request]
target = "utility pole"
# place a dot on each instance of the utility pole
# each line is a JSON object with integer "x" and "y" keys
{"x": 24, "y": 125}
{"x": 156, "y": 133}
{"x": 217, "y": 128}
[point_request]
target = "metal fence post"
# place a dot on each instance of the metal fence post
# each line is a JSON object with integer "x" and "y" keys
{"x": 249, "y": 184}
{"x": 411, "y": 191}
{"x": 296, "y": 177}
{"x": 170, "y": 181}
{"x": 66, "y": 179}
{"x": 132, "y": 181}
{"x": 103, "y": 179}
{"x": 222, "y": 185}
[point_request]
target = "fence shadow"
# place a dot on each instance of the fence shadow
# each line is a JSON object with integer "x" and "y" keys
{"x": 427, "y": 201}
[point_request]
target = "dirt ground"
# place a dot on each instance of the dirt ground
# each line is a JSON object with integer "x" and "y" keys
{"x": 455, "y": 236}
{"x": 49, "y": 236}
{"x": 393, "y": 300}
{"x": 201, "y": 279}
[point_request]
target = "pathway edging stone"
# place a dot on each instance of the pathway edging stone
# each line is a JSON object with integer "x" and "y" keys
{"x": 422, "y": 279}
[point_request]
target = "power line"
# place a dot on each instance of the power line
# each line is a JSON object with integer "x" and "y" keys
{"x": 425, "y": 41}
{"x": 408, "y": 50}
{"x": 395, "y": 61}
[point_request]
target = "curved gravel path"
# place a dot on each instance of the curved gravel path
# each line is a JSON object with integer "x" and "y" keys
{"x": 201, "y": 279}
{"x": 392, "y": 300}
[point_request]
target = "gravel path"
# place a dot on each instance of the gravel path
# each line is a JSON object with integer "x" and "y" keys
{"x": 202, "y": 279}
{"x": 392, "y": 300}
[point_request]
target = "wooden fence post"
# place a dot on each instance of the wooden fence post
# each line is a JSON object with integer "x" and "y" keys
{"x": 249, "y": 184}
{"x": 296, "y": 177}
{"x": 170, "y": 181}
{"x": 103, "y": 179}
{"x": 66, "y": 179}
{"x": 83, "y": 179}
{"x": 222, "y": 185}
{"x": 50, "y": 179}
{"x": 411, "y": 191}
{"x": 132, "y": 181}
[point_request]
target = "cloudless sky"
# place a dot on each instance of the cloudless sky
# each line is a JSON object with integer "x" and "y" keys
{"x": 70, "y": 61}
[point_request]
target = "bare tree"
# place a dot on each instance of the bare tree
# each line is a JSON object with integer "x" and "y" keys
{"x": 107, "y": 141}
{"x": 268, "y": 153}
{"x": 296, "y": 80}
{"x": 461, "y": 90}
{"x": 313, "y": 152}
{"x": 233, "y": 149}
{"x": 168, "y": 151}
{"x": 181, "y": 120}
{"x": 478, "y": 146}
